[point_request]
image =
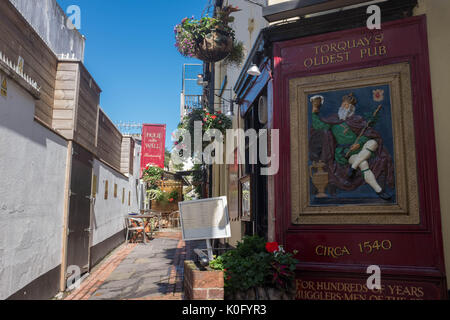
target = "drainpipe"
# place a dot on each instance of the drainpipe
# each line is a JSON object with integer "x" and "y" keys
{"x": 211, "y": 99}
{"x": 62, "y": 280}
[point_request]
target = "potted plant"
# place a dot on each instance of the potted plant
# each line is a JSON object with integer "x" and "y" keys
{"x": 209, "y": 39}
{"x": 257, "y": 270}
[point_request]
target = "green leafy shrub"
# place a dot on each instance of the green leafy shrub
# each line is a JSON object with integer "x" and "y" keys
{"x": 255, "y": 263}
{"x": 216, "y": 120}
{"x": 152, "y": 174}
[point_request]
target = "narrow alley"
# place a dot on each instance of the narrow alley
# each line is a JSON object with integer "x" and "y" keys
{"x": 137, "y": 271}
{"x": 224, "y": 150}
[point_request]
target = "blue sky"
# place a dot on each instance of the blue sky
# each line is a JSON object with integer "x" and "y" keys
{"x": 130, "y": 53}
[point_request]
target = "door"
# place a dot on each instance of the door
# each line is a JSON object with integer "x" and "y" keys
{"x": 79, "y": 209}
{"x": 258, "y": 183}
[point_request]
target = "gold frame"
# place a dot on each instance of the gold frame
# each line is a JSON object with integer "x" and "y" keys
{"x": 406, "y": 211}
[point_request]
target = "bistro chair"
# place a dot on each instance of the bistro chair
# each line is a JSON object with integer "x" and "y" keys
{"x": 134, "y": 225}
{"x": 174, "y": 218}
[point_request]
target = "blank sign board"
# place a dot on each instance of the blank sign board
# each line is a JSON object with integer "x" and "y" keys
{"x": 205, "y": 219}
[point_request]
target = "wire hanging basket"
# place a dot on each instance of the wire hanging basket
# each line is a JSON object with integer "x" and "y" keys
{"x": 215, "y": 46}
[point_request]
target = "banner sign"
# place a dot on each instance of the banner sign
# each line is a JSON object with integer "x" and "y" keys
{"x": 153, "y": 145}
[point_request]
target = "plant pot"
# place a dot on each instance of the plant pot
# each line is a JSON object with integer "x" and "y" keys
{"x": 200, "y": 284}
{"x": 214, "y": 47}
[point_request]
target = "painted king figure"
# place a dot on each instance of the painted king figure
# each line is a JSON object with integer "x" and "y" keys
{"x": 351, "y": 149}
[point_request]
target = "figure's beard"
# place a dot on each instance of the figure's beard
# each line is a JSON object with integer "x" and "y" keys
{"x": 345, "y": 113}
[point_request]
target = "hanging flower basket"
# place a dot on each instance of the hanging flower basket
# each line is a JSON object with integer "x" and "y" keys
{"x": 209, "y": 39}
{"x": 216, "y": 120}
{"x": 215, "y": 46}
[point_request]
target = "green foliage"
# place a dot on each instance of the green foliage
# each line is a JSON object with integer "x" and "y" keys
{"x": 152, "y": 174}
{"x": 197, "y": 179}
{"x": 236, "y": 57}
{"x": 251, "y": 265}
{"x": 154, "y": 194}
{"x": 216, "y": 120}
{"x": 217, "y": 263}
{"x": 188, "y": 198}
{"x": 191, "y": 32}
{"x": 167, "y": 157}
{"x": 168, "y": 196}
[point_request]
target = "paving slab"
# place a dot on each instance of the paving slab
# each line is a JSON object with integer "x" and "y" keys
{"x": 151, "y": 271}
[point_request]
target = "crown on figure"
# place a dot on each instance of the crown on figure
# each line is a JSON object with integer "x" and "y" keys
{"x": 350, "y": 98}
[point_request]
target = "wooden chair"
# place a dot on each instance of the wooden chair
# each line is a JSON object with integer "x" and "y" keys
{"x": 136, "y": 226}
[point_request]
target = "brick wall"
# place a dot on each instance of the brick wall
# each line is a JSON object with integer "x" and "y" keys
{"x": 202, "y": 285}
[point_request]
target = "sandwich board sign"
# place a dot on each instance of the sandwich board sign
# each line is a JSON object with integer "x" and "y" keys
{"x": 205, "y": 219}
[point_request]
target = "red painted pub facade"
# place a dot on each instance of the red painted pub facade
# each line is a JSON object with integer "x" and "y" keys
{"x": 340, "y": 233}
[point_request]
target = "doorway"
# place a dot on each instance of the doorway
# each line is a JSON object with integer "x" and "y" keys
{"x": 80, "y": 209}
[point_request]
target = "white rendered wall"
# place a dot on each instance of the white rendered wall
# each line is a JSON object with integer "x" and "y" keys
{"x": 50, "y": 23}
{"x": 108, "y": 214}
{"x": 32, "y": 175}
{"x": 247, "y": 24}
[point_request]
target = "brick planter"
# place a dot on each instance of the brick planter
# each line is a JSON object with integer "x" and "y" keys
{"x": 202, "y": 284}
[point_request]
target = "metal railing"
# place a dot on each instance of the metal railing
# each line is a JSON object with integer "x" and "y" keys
{"x": 191, "y": 102}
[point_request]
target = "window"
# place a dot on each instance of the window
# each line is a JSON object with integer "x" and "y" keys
{"x": 106, "y": 190}
{"x": 129, "y": 198}
{"x": 123, "y": 195}
{"x": 115, "y": 190}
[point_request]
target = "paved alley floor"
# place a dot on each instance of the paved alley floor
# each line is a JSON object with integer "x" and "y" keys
{"x": 152, "y": 271}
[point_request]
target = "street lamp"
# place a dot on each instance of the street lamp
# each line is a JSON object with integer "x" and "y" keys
{"x": 254, "y": 70}
{"x": 201, "y": 81}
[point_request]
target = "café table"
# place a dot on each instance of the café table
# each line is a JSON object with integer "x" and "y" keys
{"x": 146, "y": 217}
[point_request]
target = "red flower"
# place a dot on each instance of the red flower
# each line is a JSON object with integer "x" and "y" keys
{"x": 204, "y": 119}
{"x": 208, "y": 114}
{"x": 214, "y": 117}
{"x": 272, "y": 246}
{"x": 171, "y": 199}
{"x": 219, "y": 112}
